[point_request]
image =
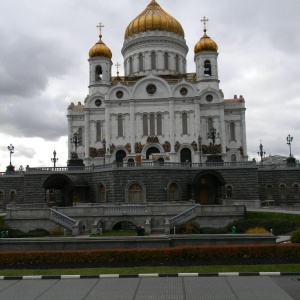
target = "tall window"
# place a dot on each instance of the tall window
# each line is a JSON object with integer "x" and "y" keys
{"x": 184, "y": 124}
{"x": 135, "y": 193}
{"x": 166, "y": 61}
{"x": 159, "y": 124}
{"x": 141, "y": 62}
{"x": 12, "y": 196}
{"x": 269, "y": 191}
{"x": 233, "y": 157}
{"x": 120, "y": 126}
{"x": 229, "y": 191}
{"x": 296, "y": 190}
{"x": 101, "y": 193}
{"x": 153, "y": 61}
{"x": 98, "y": 73}
{"x": 209, "y": 124}
{"x": 152, "y": 124}
{"x": 174, "y": 192}
{"x": 145, "y": 125}
{"x": 80, "y": 136}
{"x": 98, "y": 131}
{"x": 207, "y": 68}
{"x": 232, "y": 131}
{"x": 177, "y": 63}
{"x": 130, "y": 66}
{"x": 282, "y": 190}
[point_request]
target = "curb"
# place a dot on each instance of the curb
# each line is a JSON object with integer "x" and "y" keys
{"x": 101, "y": 276}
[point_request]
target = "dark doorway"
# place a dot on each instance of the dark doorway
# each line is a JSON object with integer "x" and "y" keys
{"x": 124, "y": 225}
{"x": 185, "y": 155}
{"x": 209, "y": 188}
{"x": 150, "y": 151}
{"x": 120, "y": 155}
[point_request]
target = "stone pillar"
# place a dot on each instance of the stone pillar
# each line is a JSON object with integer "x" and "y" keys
{"x": 243, "y": 132}
{"x": 172, "y": 123}
{"x": 197, "y": 117}
{"x": 70, "y": 135}
{"x": 107, "y": 124}
{"x": 222, "y": 129}
{"x": 87, "y": 133}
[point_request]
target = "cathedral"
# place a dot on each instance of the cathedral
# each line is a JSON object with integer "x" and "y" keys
{"x": 157, "y": 111}
{"x": 157, "y": 146}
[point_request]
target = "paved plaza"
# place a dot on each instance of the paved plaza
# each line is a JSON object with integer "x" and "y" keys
{"x": 224, "y": 286}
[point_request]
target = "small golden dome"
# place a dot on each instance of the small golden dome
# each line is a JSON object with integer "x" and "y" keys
{"x": 153, "y": 18}
{"x": 100, "y": 49}
{"x": 206, "y": 44}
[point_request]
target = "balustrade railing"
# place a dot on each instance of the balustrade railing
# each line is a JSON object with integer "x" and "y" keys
{"x": 61, "y": 219}
{"x": 184, "y": 217}
{"x": 128, "y": 209}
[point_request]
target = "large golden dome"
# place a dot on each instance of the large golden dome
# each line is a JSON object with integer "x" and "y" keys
{"x": 206, "y": 44}
{"x": 100, "y": 49}
{"x": 151, "y": 19}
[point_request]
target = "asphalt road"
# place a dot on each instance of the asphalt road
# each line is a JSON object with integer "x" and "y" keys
{"x": 183, "y": 286}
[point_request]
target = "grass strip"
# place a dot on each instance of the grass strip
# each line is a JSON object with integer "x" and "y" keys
{"x": 160, "y": 269}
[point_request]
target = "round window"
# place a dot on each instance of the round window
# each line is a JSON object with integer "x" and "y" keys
{"x": 119, "y": 94}
{"x": 209, "y": 98}
{"x": 151, "y": 89}
{"x": 98, "y": 102}
{"x": 183, "y": 91}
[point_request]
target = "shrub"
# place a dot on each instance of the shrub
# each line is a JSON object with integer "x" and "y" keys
{"x": 295, "y": 237}
{"x": 213, "y": 230}
{"x": 188, "y": 228}
{"x": 38, "y": 232}
{"x": 257, "y": 230}
{"x": 56, "y": 231}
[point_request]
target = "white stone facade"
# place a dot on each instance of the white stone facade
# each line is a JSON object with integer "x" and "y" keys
{"x": 157, "y": 110}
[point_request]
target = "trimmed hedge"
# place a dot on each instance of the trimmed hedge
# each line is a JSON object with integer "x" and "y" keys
{"x": 17, "y": 259}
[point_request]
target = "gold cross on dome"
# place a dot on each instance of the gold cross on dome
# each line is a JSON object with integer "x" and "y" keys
{"x": 117, "y": 65}
{"x": 100, "y": 26}
{"x": 204, "y": 20}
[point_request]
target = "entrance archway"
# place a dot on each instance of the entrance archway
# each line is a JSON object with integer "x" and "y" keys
{"x": 124, "y": 225}
{"x": 209, "y": 188}
{"x": 185, "y": 155}
{"x": 150, "y": 151}
{"x": 120, "y": 155}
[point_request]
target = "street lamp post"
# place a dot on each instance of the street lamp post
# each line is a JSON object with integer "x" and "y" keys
{"x": 76, "y": 139}
{"x": 104, "y": 150}
{"x": 261, "y": 152}
{"x": 200, "y": 148}
{"x": 11, "y": 150}
{"x": 54, "y": 159}
{"x": 213, "y": 135}
{"x": 289, "y": 140}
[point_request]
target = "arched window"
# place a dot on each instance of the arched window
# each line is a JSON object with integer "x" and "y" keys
{"x": 174, "y": 192}
{"x": 229, "y": 191}
{"x": 159, "y": 124}
{"x": 152, "y": 124}
{"x": 102, "y": 193}
{"x": 80, "y": 136}
{"x": 177, "y": 63}
{"x": 12, "y": 196}
{"x": 232, "y": 131}
{"x": 296, "y": 190}
{"x": 135, "y": 193}
{"x": 141, "y": 62}
{"x": 233, "y": 157}
{"x": 98, "y": 131}
{"x": 282, "y": 190}
{"x": 184, "y": 124}
{"x": 145, "y": 125}
{"x": 269, "y": 191}
{"x": 209, "y": 124}
{"x": 153, "y": 61}
{"x": 207, "y": 68}
{"x": 120, "y": 126}
{"x": 166, "y": 61}
{"x": 130, "y": 66}
{"x": 98, "y": 73}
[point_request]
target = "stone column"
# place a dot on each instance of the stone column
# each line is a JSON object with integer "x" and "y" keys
{"x": 87, "y": 133}
{"x": 243, "y": 132}
{"x": 222, "y": 129}
{"x": 70, "y": 135}
{"x": 197, "y": 117}
{"x": 107, "y": 124}
{"x": 172, "y": 124}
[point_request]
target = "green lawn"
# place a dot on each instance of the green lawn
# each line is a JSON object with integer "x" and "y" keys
{"x": 273, "y": 216}
{"x": 147, "y": 270}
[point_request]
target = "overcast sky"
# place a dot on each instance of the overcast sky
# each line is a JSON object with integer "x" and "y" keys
{"x": 44, "y": 47}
